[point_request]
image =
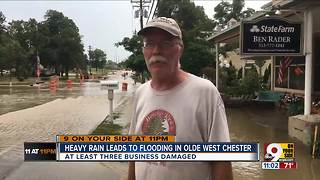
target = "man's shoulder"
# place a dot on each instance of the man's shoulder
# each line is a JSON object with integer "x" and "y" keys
{"x": 143, "y": 87}
{"x": 206, "y": 89}
{"x": 202, "y": 84}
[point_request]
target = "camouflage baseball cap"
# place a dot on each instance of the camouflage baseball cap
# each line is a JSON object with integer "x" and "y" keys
{"x": 164, "y": 23}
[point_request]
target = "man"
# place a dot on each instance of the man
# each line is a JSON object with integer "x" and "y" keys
{"x": 175, "y": 102}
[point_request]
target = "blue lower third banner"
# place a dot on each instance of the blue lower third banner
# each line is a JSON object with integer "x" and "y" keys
{"x": 158, "y": 152}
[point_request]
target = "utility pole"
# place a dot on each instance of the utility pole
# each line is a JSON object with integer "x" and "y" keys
{"x": 90, "y": 53}
{"x": 142, "y": 12}
{"x": 141, "y": 15}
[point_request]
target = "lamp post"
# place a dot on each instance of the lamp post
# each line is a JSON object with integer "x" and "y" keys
{"x": 90, "y": 54}
{"x": 10, "y": 84}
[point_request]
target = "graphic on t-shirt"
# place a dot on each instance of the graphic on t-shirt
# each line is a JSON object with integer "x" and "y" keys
{"x": 159, "y": 122}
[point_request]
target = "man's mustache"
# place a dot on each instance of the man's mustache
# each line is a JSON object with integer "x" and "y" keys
{"x": 157, "y": 59}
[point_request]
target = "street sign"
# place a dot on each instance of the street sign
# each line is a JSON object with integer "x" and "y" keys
{"x": 274, "y": 36}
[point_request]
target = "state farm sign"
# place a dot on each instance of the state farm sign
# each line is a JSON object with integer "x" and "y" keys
{"x": 271, "y": 36}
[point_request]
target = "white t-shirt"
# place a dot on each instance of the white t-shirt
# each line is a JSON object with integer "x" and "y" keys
{"x": 193, "y": 111}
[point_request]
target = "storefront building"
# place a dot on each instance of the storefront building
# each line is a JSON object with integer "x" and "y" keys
{"x": 296, "y": 71}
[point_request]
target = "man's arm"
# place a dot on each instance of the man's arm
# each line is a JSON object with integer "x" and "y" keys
{"x": 221, "y": 171}
{"x": 131, "y": 171}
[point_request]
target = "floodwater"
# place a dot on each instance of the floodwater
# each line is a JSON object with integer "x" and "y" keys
{"x": 76, "y": 110}
{"x": 22, "y": 97}
{"x": 265, "y": 124}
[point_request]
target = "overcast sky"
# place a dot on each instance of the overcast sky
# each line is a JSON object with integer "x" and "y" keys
{"x": 101, "y": 23}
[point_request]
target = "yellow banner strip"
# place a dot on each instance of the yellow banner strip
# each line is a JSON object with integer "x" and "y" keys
{"x": 113, "y": 138}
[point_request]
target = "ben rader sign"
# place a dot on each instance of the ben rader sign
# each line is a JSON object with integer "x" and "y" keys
{"x": 273, "y": 36}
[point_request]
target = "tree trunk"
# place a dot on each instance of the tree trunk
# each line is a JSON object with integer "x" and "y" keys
{"x": 143, "y": 80}
{"x": 56, "y": 69}
{"x": 67, "y": 72}
{"x": 77, "y": 73}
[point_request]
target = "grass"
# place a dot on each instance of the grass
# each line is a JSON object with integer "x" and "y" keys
{"x": 100, "y": 72}
{"x": 107, "y": 127}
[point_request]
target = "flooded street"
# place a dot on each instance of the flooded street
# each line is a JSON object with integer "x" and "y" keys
{"x": 21, "y": 97}
{"x": 265, "y": 124}
{"x": 78, "y": 110}
{"x": 73, "y": 111}
{"x": 17, "y": 98}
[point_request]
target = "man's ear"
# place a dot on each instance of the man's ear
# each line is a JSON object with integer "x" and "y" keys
{"x": 181, "y": 49}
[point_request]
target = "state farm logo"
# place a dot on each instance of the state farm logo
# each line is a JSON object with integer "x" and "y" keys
{"x": 254, "y": 29}
{"x": 272, "y": 29}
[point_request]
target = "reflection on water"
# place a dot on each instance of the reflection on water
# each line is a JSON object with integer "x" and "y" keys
{"x": 265, "y": 124}
{"x": 17, "y": 98}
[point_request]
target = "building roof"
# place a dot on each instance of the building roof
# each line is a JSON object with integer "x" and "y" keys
{"x": 231, "y": 34}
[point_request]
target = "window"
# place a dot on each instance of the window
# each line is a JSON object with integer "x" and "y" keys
{"x": 293, "y": 72}
{"x": 316, "y": 57}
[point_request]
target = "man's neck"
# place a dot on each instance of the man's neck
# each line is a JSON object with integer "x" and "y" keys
{"x": 162, "y": 84}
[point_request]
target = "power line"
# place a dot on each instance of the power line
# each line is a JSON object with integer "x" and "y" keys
{"x": 152, "y": 9}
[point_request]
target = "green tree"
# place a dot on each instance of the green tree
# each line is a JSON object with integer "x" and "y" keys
{"x": 112, "y": 65}
{"x": 137, "y": 63}
{"x": 196, "y": 26}
{"x": 247, "y": 13}
{"x": 191, "y": 18}
{"x": 3, "y": 42}
{"x": 251, "y": 82}
{"x": 21, "y": 47}
{"x": 64, "y": 49}
{"x": 133, "y": 44}
{"x": 99, "y": 59}
{"x": 16, "y": 59}
{"x": 136, "y": 59}
{"x": 197, "y": 55}
{"x": 56, "y": 40}
{"x": 229, "y": 80}
{"x": 224, "y": 11}
{"x": 2, "y": 21}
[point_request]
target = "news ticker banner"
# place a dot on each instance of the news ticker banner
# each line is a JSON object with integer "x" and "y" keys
{"x": 157, "y": 148}
{"x": 138, "y": 148}
{"x": 279, "y": 156}
{"x": 164, "y": 151}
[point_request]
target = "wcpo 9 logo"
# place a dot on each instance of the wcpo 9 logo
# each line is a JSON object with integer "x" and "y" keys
{"x": 279, "y": 152}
